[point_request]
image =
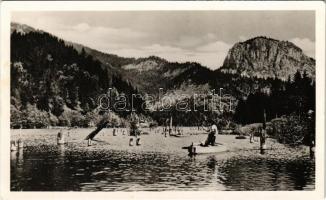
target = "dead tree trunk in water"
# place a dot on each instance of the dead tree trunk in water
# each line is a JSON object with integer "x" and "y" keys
{"x": 97, "y": 130}
{"x": 263, "y": 135}
{"x": 170, "y": 126}
{"x": 311, "y": 132}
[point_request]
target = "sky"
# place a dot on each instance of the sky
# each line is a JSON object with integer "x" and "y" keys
{"x": 198, "y": 36}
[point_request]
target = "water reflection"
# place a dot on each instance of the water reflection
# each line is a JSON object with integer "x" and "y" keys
{"x": 17, "y": 167}
{"x": 17, "y": 157}
{"x": 13, "y": 158}
{"x": 61, "y": 157}
{"x": 267, "y": 174}
{"x": 60, "y": 168}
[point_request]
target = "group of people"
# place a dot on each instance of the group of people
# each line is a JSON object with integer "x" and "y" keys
{"x": 136, "y": 132}
{"x": 210, "y": 140}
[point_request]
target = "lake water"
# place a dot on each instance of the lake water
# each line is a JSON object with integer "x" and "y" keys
{"x": 55, "y": 168}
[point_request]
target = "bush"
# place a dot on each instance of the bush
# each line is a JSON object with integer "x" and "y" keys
{"x": 278, "y": 126}
{"x": 72, "y": 118}
{"x": 293, "y": 130}
{"x": 54, "y": 121}
{"x": 58, "y": 106}
{"x": 34, "y": 118}
{"x": 15, "y": 117}
{"x": 92, "y": 118}
{"x": 77, "y": 119}
{"x": 248, "y": 129}
{"x": 64, "y": 119}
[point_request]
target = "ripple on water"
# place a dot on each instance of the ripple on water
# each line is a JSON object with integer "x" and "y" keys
{"x": 50, "y": 168}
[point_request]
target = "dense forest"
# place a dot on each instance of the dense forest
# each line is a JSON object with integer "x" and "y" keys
{"x": 53, "y": 84}
{"x": 285, "y": 97}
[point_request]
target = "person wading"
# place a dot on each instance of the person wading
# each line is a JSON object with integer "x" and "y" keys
{"x": 134, "y": 132}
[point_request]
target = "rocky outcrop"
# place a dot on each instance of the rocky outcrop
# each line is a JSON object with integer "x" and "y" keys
{"x": 264, "y": 57}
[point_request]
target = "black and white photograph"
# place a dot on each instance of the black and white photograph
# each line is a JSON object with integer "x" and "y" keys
{"x": 162, "y": 100}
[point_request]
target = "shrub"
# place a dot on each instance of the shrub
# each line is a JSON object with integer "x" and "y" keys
{"x": 77, "y": 119}
{"x": 15, "y": 117}
{"x": 92, "y": 118}
{"x": 64, "y": 119}
{"x": 72, "y": 118}
{"x": 34, "y": 118}
{"x": 293, "y": 130}
{"x": 54, "y": 121}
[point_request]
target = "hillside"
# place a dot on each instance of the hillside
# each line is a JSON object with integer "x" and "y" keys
{"x": 52, "y": 81}
{"x": 22, "y": 28}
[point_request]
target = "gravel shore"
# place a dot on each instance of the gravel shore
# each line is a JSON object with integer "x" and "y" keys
{"x": 154, "y": 142}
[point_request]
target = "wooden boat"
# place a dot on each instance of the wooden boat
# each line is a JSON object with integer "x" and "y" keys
{"x": 197, "y": 149}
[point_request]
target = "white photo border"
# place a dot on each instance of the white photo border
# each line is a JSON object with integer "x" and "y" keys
{"x": 10, "y": 6}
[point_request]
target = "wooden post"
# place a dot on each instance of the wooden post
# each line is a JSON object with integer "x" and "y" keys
{"x": 138, "y": 141}
{"x": 252, "y": 137}
{"x": 165, "y": 131}
{"x": 170, "y": 127}
{"x": 20, "y": 157}
{"x": 131, "y": 141}
{"x": 20, "y": 144}
{"x": 263, "y": 135}
{"x": 89, "y": 142}
{"x": 60, "y": 138}
{"x": 311, "y": 133}
{"x": 312, "y": 150}
{"x": 13, "y": 145}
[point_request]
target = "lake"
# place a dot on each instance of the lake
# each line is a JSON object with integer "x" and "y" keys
{"x": 159, "y": 164}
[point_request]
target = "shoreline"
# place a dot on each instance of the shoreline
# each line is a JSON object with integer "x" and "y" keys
{"x": 156, "y": 143}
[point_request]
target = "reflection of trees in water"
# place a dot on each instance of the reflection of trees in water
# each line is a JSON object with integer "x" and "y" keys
{"x": 266, "y": 174}
{"x": 302, "y": 173}
{"x": 56, "y": 168}
{"x": 17, "y": 158}
{"x": 211, "y": 163}
{"x": 16, "y": 166}
{"x": 13, "y": 158}
{"x": 42, "y": 169}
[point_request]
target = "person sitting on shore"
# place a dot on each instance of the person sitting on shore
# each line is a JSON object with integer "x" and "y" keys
{"x": 211, "y": 138}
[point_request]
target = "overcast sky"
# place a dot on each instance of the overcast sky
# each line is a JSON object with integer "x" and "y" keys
{"x": 201, "y": 36}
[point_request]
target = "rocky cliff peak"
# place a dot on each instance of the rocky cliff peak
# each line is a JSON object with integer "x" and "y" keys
{"x": 264, "y": 57}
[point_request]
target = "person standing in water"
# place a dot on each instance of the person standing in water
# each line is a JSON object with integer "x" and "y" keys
{"x": 135, "y": 132}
